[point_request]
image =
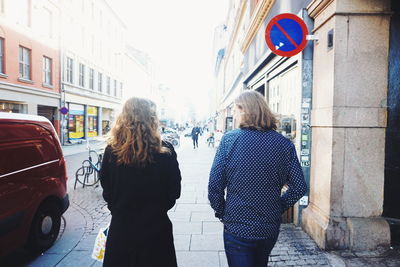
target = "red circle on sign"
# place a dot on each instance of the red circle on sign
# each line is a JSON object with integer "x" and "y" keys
{"x": 300, "y": 47}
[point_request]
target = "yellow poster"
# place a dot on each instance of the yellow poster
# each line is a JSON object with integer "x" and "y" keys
{"x": 92, "y": 111}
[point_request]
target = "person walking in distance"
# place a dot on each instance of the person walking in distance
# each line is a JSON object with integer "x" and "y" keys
{"x": 195, "y": 136}
{"x": 141, "y": 181}
{"x": 253, "y": 163}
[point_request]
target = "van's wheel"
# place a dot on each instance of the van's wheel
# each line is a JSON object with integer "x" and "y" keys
{"x": 45, "y": 227}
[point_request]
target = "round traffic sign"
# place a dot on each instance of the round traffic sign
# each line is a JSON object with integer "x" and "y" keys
{"x": 64, "y": 110}
{"x": 286, "y": 35}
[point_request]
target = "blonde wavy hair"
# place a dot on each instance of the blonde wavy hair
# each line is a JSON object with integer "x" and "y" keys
{"x": 135, "y": 137}
{"x": 254, "y": 112}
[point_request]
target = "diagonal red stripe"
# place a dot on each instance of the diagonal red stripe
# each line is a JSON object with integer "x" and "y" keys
{"x": 286, "y": 34}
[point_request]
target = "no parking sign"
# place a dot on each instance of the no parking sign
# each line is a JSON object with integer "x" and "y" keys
{"x": 286, "y": 35}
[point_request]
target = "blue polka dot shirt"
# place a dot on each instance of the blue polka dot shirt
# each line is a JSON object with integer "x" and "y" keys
{"x": 252, "y": 167}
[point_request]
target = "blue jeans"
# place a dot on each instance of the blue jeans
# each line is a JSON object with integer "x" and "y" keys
{"x": 242, "y": 252}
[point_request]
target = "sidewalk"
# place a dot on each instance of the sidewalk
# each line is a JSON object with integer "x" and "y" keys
{"x": 197, "y": 233}
{"x": 95, "y": 144}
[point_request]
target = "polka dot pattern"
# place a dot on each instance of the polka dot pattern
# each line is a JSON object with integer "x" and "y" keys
{"x": 251, "y": 167}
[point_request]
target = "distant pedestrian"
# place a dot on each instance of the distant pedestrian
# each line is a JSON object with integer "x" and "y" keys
{"x": 252, "y": 164}
{"x": 195, "y": 136}
{"x": 141, "y": 179}
{"x": 211, "y": 139}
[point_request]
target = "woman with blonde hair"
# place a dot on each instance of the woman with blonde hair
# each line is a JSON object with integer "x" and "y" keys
{"x": 141, "y": 179}
{"x": 253, "y": 163}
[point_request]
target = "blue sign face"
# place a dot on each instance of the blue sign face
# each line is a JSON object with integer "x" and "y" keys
{"x": 286, "y": 35}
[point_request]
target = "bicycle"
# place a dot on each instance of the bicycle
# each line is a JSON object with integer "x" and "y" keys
{"x": 87, "y": 175}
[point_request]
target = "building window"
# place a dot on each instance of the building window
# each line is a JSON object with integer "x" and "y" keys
{"x": 81, "y": 75}
{"x": 115, "y": 87}
{"x": 24, "y": 12}
{"x": 2, "y": 68}
{"x": 100, "y": 85}
{"x": 47, "y": 77}
{"x": 91, "y": 79}
{"x": 120, "y": 89}
{"x": 108, "y": 86}
{"x": 24, "y": 63}
{"x": 70, "y": 68}
{"x": 48, "y": 22}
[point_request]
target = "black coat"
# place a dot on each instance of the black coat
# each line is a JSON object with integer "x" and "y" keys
{"x": 140, "y": 232}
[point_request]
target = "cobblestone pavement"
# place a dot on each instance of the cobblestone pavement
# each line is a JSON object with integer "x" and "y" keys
{"x": 197, "y": 233}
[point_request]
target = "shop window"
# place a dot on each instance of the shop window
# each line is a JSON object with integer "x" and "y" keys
{"x": 76, "y": 121}
{"x": 24, "y": 63}
{"x": 47, "y": 74}
{"x": 12, "y": 107}
{"x": 92, "y": 113}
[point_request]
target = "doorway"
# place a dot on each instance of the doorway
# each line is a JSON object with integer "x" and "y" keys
{"x": 392, "y": 150}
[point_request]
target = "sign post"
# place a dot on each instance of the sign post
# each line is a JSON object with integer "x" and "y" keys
{"x": 286, "y": 35}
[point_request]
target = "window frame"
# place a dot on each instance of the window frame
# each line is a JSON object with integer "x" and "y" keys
{"x": 108, "y": 85}
{"x": 25, "y": 61}
{"x": 47, "y": 70}
{"x": 91, "y": 78}
{"x": 81, "y": 74}
{"x": 100, "y": 82}
{"x": 2, "y": 55}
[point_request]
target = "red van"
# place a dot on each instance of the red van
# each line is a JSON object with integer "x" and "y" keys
{"x": 33, "y": 183}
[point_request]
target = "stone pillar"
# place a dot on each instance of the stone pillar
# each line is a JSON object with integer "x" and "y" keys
{"x": 348, "y": 124}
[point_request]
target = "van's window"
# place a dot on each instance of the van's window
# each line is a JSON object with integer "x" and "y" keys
{"x": 23, "y": 146}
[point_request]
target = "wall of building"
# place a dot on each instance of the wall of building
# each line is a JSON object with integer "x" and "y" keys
{"x": 32, "y": 25}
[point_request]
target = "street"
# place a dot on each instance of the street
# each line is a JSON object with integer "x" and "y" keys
{"x": 197, "y": 233}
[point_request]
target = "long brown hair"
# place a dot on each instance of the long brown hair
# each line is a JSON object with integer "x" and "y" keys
{"x": 135, "y": 137}
{"x": 255, "y": 112}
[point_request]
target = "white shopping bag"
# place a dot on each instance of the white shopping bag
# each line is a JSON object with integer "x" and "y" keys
{"x": 100, "y": 244}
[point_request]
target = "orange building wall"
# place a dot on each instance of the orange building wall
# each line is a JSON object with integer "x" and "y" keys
{"x": 12, "y": 41}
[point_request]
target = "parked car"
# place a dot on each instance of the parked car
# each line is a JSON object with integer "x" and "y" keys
{"x": 187, "y": 132}
{"x": 170, "y": 132}
{"x": 33, "y": 183}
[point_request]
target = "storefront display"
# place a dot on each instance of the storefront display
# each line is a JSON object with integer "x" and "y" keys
{"x": 76, "y": 121}
{"x": 92, "y": 113}
{"x": 12, "y": 107}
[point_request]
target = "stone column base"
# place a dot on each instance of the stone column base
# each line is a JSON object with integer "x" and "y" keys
{"x": 336, "y": 233}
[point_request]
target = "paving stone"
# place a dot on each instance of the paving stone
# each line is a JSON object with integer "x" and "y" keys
{"x": 211, "y": 242}
{"x": 198, "y": 259}
{"x": 77, "y": 258}
{"x": 223, "y": 261}
{"x": 201, "y": 216}
{"x": 213, "y": 228}
{"x": 187, "y": 228}
{"x": 179, "y": 216}
{"x": 193, "y": 207}
{"x": 182, "y": 242}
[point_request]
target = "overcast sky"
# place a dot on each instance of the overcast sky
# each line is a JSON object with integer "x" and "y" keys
{"x": 178, "y": 36}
